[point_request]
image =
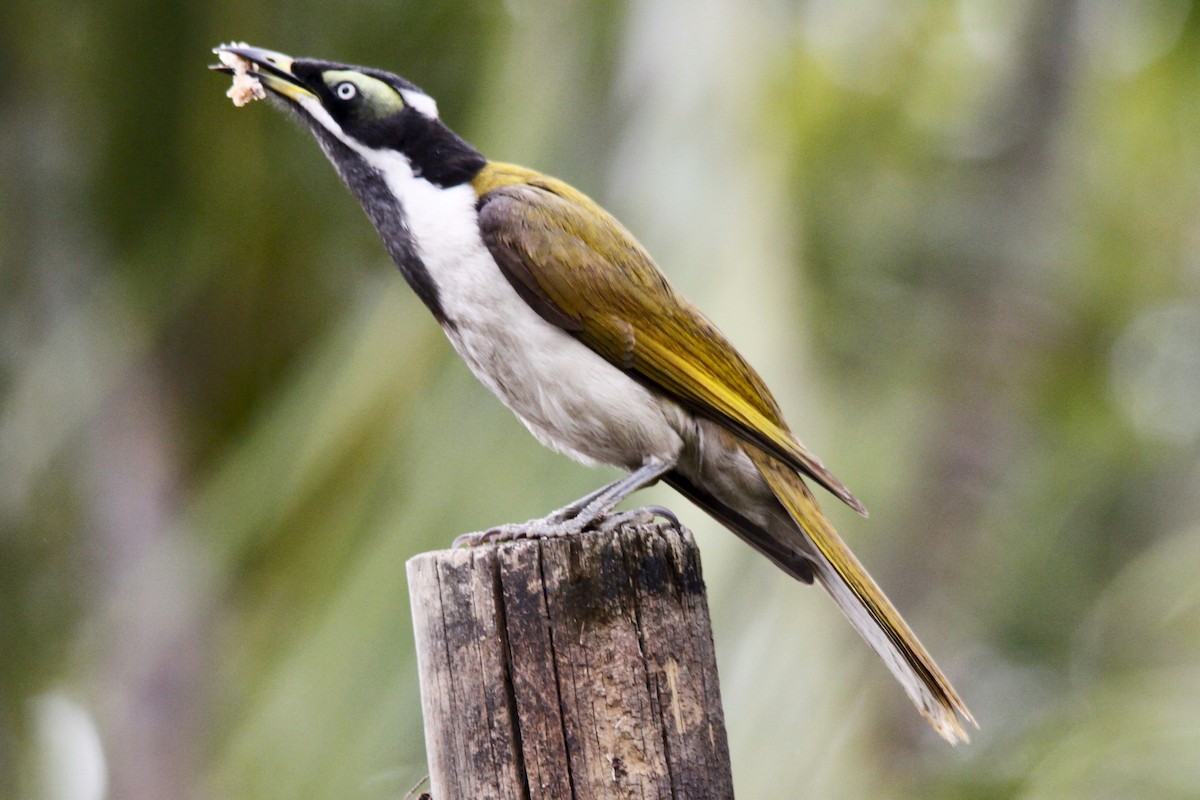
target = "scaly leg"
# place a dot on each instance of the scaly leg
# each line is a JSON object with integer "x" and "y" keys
{"x": 583, "y": 513}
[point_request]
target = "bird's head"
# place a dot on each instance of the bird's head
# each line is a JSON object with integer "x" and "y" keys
{"x": 360, "y": 114}
{"x": 381, "y": 133}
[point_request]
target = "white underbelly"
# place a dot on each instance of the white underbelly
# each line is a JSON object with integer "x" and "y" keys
{"x": 569, "y": 397}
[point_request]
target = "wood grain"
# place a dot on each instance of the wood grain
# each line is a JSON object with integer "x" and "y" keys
{"x": 570, "y": 668}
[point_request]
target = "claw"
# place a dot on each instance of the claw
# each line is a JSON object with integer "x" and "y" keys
{"x": 664, "y": 512}
{"x": 638, "y": 516}
{"x": 543, "y": 528}
{"x": 586, "y": 513}
{"x": 473, "y": 539}
{"x": 590, "y": 512}
{"x": 501, "y": 533}
{"x": 555, "y": 525}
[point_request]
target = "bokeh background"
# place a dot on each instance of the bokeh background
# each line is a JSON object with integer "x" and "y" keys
{"x": 960, "y": 238}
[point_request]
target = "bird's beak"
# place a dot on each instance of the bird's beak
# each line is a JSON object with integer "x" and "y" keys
{"x": 273, "y": 70}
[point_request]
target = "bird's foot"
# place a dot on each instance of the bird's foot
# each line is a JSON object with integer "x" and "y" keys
{"x": 638, "y": 516}
{"x": 561, "y": 523}
{"x": 541, "y": 528}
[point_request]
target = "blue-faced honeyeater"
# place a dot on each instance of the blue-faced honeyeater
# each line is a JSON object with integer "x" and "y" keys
{"x": 561, "y": 313}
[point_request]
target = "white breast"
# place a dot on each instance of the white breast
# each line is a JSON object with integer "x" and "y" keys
{"x": 570, "y": 398}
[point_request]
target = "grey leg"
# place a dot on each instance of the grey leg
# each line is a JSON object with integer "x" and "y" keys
{"x": 580, "y": 514}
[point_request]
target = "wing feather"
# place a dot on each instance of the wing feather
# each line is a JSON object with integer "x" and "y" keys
{"x": 583, "y": 272}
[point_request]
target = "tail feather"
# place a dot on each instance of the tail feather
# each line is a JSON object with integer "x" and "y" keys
{"x": 866, "y": 606}
{"x": 784, "y": 556}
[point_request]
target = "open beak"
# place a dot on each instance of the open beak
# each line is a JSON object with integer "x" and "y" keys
{"x": 273, "y": 70}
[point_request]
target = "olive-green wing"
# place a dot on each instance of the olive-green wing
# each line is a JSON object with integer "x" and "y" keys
{"x": 582, "y": 271}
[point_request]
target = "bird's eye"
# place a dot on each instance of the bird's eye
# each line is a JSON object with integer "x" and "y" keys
{"x": 345, "y": 90}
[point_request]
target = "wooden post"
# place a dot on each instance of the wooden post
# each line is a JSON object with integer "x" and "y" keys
{"x": 570, "y": 669}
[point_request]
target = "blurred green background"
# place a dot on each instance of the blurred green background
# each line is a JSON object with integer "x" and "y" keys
{"x": 960, "y": 239}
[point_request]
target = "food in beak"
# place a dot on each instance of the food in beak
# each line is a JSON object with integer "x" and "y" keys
{"x": 246, "y": 87}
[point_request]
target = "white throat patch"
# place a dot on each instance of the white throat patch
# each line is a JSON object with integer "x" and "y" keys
{"x": 421, "y": 102}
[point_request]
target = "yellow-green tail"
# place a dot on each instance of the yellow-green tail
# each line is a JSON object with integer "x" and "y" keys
{"x": 866, "y": 606}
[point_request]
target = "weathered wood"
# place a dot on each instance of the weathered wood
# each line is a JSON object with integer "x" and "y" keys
{"x": 570, "y": 669}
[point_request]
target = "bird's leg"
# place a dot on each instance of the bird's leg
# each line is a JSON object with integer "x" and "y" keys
{"x": 584, "y": 512}
{"x": 588, "y": 509}
{"x": 573, "y": 508}
{"x": 638, "y": 516}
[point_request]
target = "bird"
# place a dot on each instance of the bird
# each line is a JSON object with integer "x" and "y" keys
{"x": 566, "y": 318}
